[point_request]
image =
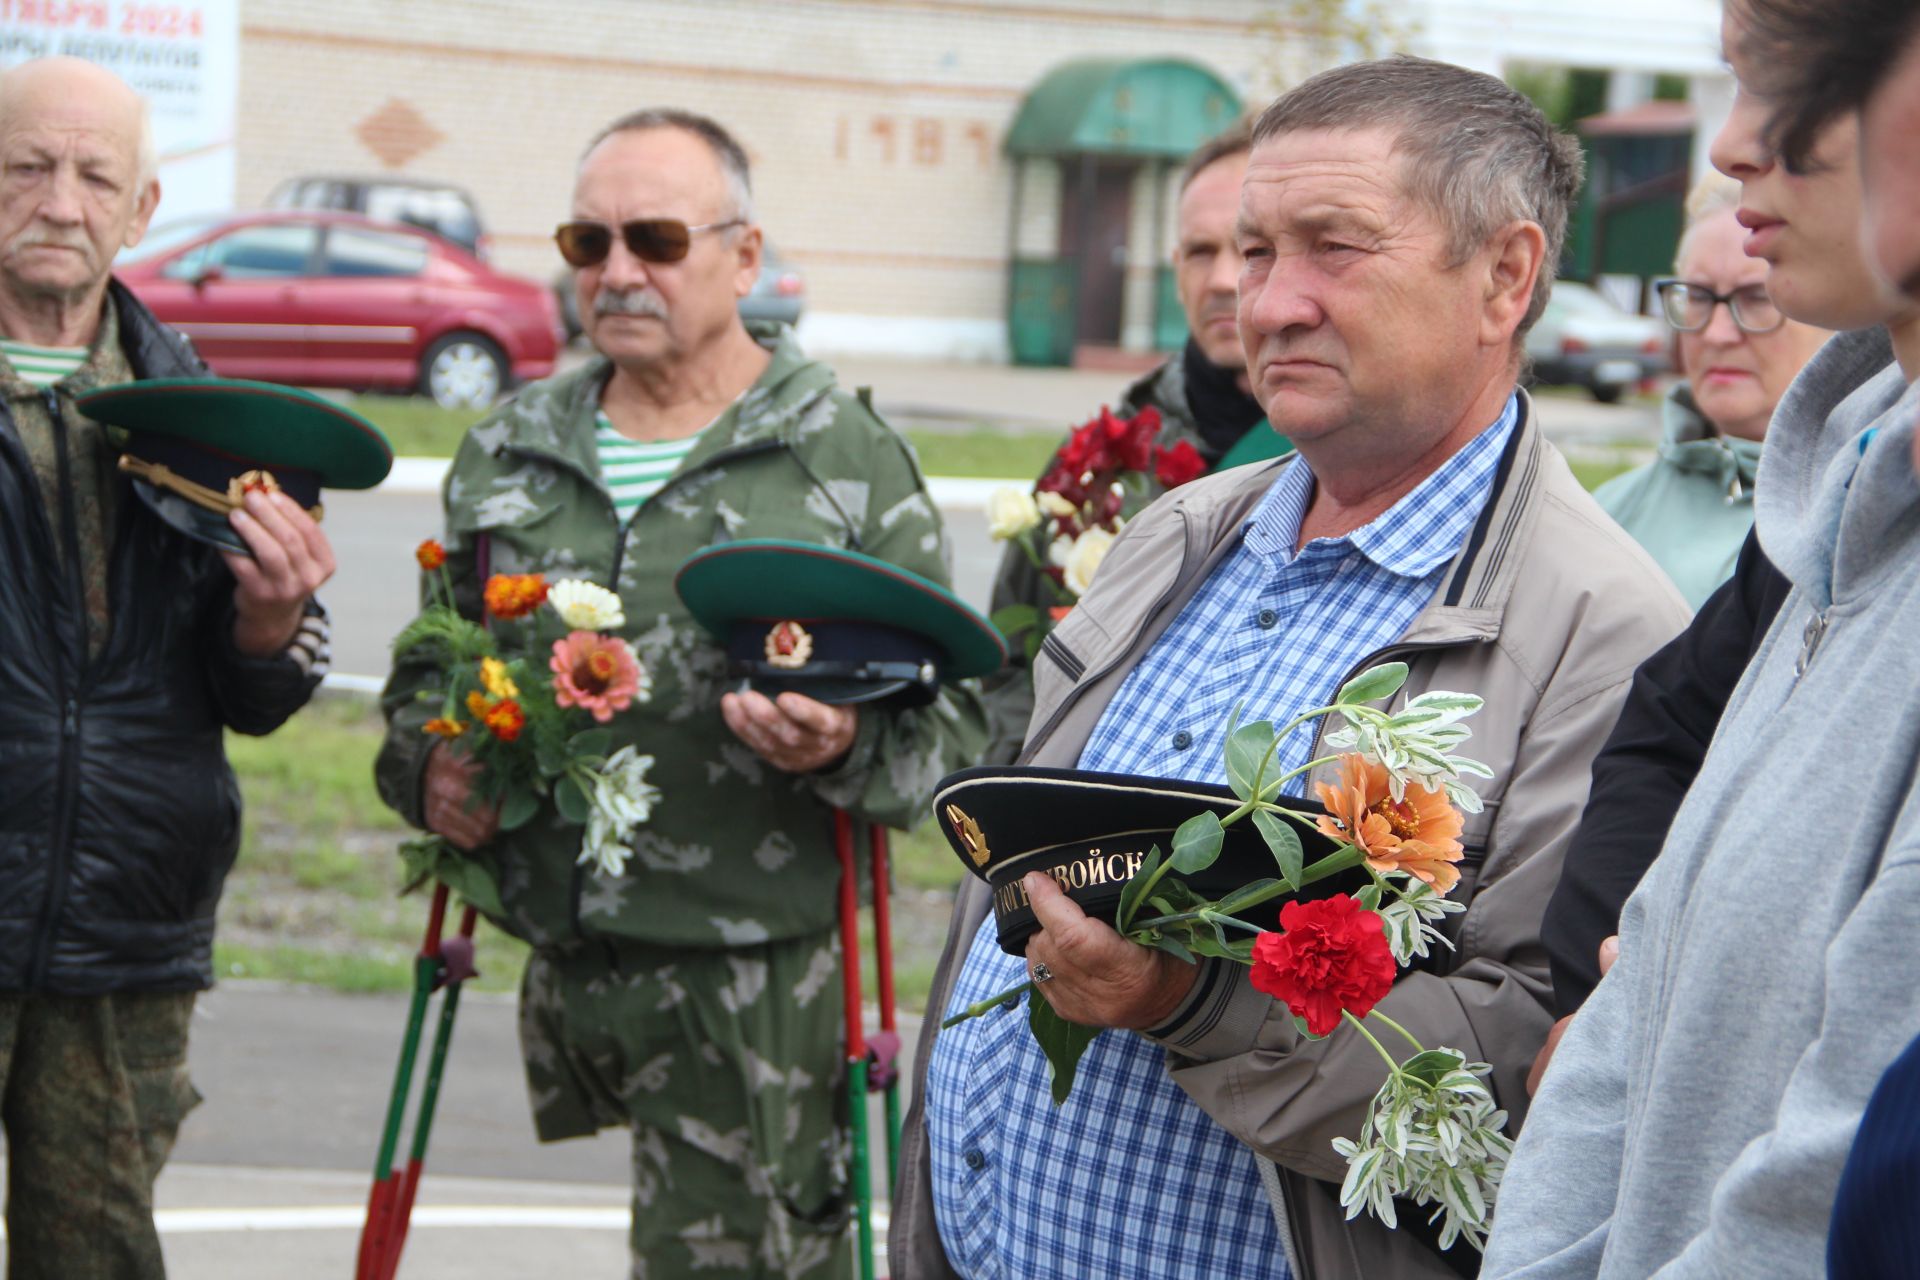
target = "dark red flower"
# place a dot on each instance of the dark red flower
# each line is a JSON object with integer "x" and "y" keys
{"x": 1136, "y": 444}
{"x": 1331, "y": 955}
{"x": 1174, "y": 467}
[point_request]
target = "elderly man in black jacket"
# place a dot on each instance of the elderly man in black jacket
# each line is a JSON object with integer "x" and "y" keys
{"x": 125, "y": 652}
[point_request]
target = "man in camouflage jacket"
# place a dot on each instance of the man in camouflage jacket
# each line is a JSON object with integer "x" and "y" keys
{"x": 1200, "y": 394}
{"x": 695, "y": 997}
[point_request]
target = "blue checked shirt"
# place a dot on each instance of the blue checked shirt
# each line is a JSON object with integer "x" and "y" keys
{"x": 1129, "y": 1178}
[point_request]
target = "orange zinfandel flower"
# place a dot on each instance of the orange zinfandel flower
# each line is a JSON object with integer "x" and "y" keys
{"x": 1418, "y": 835}
{"x": 505, "y": 719}
{"x": 430, "y": 554}
{"x": 515, "y": 595}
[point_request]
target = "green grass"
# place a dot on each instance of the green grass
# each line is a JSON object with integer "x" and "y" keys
{"x": 1594, "y": 472}
{"x": 417, "y": 427}
{"x": 983, "y": 453}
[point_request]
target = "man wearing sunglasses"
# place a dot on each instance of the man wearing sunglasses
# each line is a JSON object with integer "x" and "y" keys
{"x": 694, "y": 998}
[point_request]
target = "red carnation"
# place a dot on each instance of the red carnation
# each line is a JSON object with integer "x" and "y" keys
{"x": 1136, "y": 445}
{"x": 1174, "y": 467}
{"x": 1331, "y": 955}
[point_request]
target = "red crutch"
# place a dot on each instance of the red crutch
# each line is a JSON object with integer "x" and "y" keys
{"x": 390, "y": 1202}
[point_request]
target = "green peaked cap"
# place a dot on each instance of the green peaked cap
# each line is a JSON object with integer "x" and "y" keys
{"x": 259, "y": 423}
{"x": 194, "y": 446}
{"x": 859, "y": 606}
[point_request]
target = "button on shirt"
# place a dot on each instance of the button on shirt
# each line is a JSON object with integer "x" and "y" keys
{"x": 1129, "y": 1177}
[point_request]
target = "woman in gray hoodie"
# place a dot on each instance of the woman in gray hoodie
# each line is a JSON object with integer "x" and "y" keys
{"x": 1699, "y": 1110}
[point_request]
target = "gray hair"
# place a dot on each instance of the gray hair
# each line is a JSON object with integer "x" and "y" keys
{"x": 1475, "y": 152}
{"x": 726, "y": 149}
{"x": 1713, "y": 194}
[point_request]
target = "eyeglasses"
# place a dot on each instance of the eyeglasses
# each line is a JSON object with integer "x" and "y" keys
{"x": 587, "y": 244}
{"x": 1689, "y": 307}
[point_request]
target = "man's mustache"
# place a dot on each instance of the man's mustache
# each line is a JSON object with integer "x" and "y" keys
{"x": 630, "y": 302}
{"x": 50, "y": 238}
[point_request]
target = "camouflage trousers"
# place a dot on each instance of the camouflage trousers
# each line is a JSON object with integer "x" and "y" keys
{"x": 727, "y": 1067}
{"x": 92, "y": 1092}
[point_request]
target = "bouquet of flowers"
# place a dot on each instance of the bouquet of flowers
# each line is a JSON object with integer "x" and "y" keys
{"x": 1105, "y": 471}
{"x": 1432, "y": 1134}
{"x": 526, "y": 696}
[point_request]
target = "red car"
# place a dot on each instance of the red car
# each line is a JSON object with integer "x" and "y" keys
{"x": 337, "y": 300}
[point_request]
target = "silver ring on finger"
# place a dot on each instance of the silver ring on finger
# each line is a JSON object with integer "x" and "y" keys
{"x": 1041, "y": 973}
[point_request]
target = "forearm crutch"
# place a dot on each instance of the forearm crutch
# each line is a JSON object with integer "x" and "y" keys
{"x": 856, "y": 1041}
{"x": 390, "y": 1202}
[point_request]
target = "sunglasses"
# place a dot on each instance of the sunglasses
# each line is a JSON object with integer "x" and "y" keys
{"x": 587, "y": 244}
{"x": 1689, "y": 307}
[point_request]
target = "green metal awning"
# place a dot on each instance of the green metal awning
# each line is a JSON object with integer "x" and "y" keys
{"x": 1115, "y": 106}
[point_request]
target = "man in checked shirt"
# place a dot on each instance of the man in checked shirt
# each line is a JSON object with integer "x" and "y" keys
{"x": 1399, "y": 221}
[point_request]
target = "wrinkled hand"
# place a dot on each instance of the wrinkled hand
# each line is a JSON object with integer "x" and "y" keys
{"x": 1609, "y": 952}
{"x": 1099, "y": 978}
{"x": 447, "y": 790}
{"x": 795, "y": 734}
{"x": 291, "y": 558}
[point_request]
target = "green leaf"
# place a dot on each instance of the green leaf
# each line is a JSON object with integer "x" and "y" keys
{"x": 1197, "y": 843}
{"x": 1373, "y": 684}
{"x": 1283, "y": 841}
{"x": 1432, "y": 1066}
{"x": 1300, "y": 1025}
{"x": 1135, "y": 889}
{"x": 591, "y": 742}
{"x": 1247, "y": 748}
{"x": 1174, "y": 947}
{"x": 1063, "y": 1042}
{"x": 468, "y": 875}
{"x": 517, "y": 808}
{"x": 571, "y": 801}
{"x": 1247, "y": 894}
{"x": 1015, "y": 618}
{"x": 1369, "y": 897}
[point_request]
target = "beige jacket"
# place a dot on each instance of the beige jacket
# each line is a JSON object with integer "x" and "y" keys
{"x": 1545, "y": 613}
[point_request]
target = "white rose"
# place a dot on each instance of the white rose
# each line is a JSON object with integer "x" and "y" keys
{"x": 1083, "y": 561}
{"x": 1055, "y": 505}
{"x": 586, "y": 606}
{"x": 1010, "y": 513}
{"x": 1058, "y": 550}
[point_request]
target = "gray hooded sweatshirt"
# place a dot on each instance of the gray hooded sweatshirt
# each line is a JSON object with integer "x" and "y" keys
{"x": 1700, "y": 1107}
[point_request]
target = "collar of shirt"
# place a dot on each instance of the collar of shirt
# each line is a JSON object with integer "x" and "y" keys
{"x": 1414, "y": 536}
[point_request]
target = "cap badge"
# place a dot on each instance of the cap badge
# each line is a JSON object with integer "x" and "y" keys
{"x": 247, "y": 481}
{"x": 789, "y": 646}
{"x": 970, "y": 835}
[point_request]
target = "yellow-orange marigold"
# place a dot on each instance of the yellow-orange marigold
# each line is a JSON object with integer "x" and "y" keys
{"x": 515, "y": 595}
{"x": 477, "y": 705}
{"x": 505, "y": 719}
{"x": 1418, "y": 835}
{"x": 430, "y": 554}
{"x": 444, "y": 727}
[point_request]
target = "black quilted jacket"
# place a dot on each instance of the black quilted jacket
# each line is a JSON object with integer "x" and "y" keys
{"x": 119, "y": 816}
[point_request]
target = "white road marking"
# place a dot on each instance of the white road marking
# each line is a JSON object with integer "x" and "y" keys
{"x": 349, "y": 1217}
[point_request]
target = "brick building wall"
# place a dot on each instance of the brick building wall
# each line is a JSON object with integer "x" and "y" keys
{"x": 875, "y": 126}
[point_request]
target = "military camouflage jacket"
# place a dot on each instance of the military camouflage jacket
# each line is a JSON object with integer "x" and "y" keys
{"x": 737, "y": 851}
{"x": 1010, "y": 693}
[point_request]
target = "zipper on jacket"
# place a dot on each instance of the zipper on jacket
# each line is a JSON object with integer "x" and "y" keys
{"x": 1810, "y": 639}
{"x": 64, "y": 797}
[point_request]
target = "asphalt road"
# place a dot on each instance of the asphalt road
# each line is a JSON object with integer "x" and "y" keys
{"x": 271, "y": 1172}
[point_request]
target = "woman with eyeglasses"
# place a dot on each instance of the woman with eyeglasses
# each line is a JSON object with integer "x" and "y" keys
{"x": 1692, "y": 506}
